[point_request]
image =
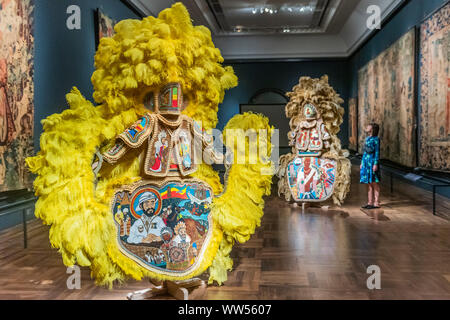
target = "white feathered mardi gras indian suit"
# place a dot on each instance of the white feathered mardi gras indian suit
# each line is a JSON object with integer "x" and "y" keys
{"x": 317, "y": 169}
{"x": 149, "y": 208}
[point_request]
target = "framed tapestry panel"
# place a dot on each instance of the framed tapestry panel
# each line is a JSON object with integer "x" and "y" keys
{"x": 353, "y": 124}
{"x": 387, "y": 96}
{"x": 104, "y": 26}
{"x": 434, "y": 148}
{"x": 16, "y": 93}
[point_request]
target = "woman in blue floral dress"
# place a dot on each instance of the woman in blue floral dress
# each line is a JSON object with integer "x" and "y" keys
{"x": 370, "y": 168}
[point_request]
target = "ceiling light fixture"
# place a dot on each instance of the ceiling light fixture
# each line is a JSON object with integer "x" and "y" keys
{"x": 265, "y": 9}
{"x": 298, "y": 8}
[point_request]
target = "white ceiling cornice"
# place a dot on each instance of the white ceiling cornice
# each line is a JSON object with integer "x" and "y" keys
{"x": 141, "y": 7}
{"x": 203, "y": 7}
{"x": 327, "y": 43}
{"x": 280, "y": 47}
{"x": 353, "y": 34}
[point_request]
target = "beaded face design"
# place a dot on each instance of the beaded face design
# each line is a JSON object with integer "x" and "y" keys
{"x": 310, "y": 112}
{"x": 167, "y": 100}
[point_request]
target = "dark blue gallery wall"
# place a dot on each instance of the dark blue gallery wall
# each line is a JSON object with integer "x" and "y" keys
{"x": 65, "y": 58}
{"x": 410, "y": 16}
{"x": 254, "y": 76}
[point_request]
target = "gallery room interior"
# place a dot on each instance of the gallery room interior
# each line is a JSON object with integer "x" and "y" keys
{"x": 224, "y": 150}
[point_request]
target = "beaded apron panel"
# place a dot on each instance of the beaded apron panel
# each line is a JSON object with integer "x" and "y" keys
{"x": 165, "y": 228}
{"x": 311, "y": 179}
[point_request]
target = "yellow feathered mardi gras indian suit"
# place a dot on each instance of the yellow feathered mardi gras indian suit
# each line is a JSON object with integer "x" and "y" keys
{"x": 145, "y": 207}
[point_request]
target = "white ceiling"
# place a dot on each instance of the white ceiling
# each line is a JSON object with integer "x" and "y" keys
{"x": 257, "y": 15}
{"x": 233, "y": 17}
{"x": 294, "y": 30}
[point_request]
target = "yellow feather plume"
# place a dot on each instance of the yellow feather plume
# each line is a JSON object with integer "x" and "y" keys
{"x": 240, "y": 209}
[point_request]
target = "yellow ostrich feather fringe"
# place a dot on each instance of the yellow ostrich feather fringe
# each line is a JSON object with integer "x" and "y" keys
{"x": 240, "y": 209}
{"x": 143, "y": 55}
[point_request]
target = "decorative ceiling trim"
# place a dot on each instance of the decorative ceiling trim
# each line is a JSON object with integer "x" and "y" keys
{"x": 217, "y": 12}
{"x": 209, "y": 17}
{"x": 139, "y": 7}
{"x": 212, "y": 13}
{"x": 333, "y": 7}
{"x": 319, "y": 15}
{"x": 284, "y": 60}
{"x": 315, "y": 43}
{"x": 285, "y": 56}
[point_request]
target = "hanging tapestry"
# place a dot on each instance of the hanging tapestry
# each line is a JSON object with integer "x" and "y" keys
{"x": 353, "y": 124}
{"x": 105, "y": 26}
{"x": 386, "y": 97}
{"x": 435, "y": 91}
{"x": 16, "y": 93}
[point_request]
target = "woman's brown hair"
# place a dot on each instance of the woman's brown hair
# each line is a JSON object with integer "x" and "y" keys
{"x": 375, "y": 129}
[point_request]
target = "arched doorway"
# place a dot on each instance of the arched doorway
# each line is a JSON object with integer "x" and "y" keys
{"x": 269, "y": 96}
{"x": 271, "y": 103}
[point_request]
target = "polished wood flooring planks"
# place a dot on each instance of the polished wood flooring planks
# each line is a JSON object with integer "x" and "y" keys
{"x": 317, "y": 254}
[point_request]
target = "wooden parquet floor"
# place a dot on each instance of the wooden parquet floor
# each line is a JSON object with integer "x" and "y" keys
{"x": 294, "y": 255}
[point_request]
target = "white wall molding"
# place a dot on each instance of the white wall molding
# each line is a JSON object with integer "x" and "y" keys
{"x": 281, "y": 47}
